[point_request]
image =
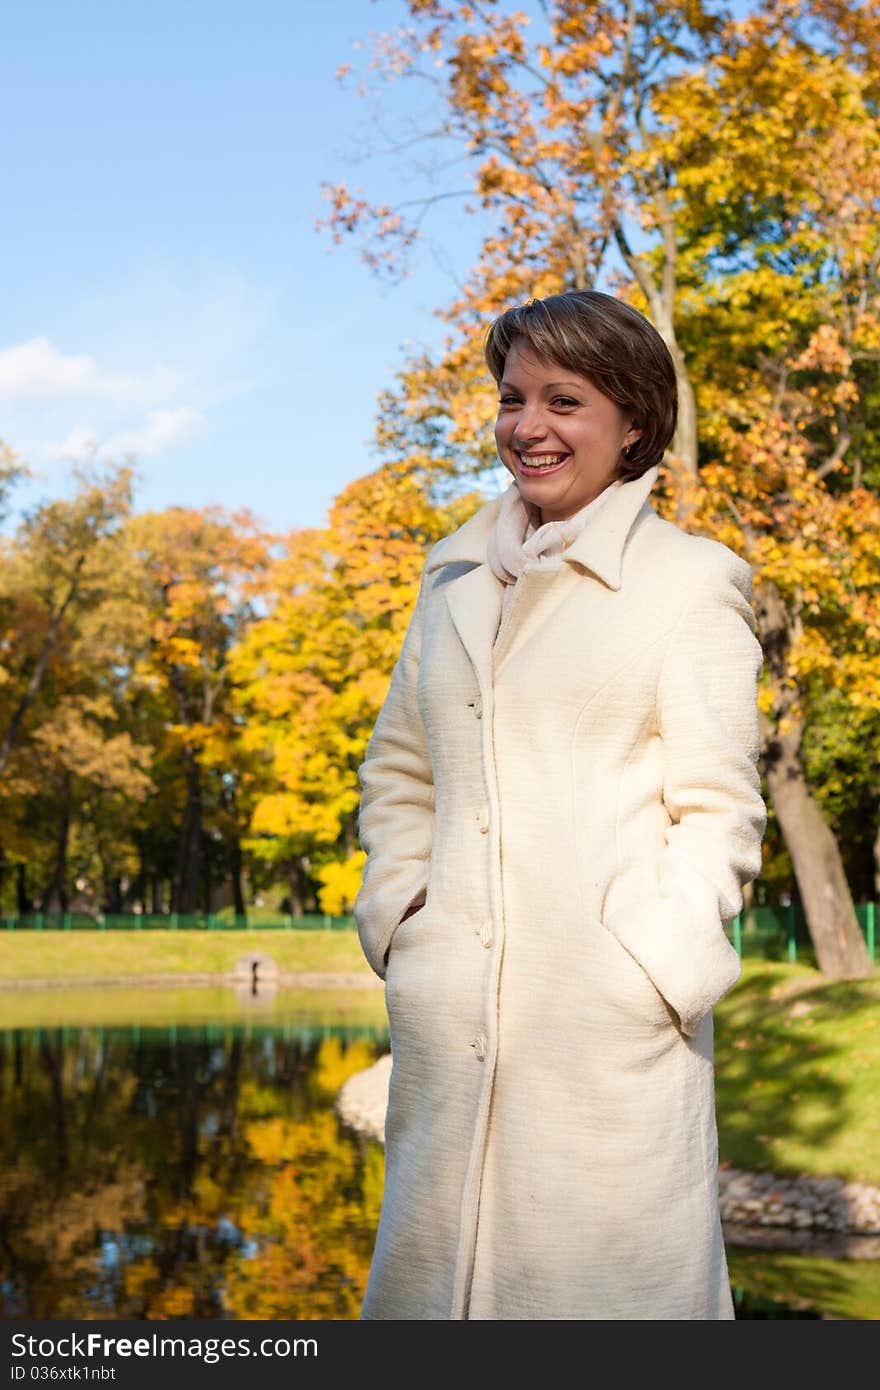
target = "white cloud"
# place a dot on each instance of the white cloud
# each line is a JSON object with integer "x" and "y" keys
{"x": 37, "y": 373}
{"x": 149, "y": 367}
{"x": 80, "y": 444}
{"x": 162, "y": 430}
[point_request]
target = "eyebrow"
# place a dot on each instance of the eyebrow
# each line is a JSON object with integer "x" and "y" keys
{"x": 550, "y": 386}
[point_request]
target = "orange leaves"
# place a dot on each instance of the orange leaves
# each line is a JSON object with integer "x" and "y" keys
{"x": 387, "y": 234}
{"x": 312, "y": 673}
{"x": 825, "y": 352}
{"x": 345, "y": 210}
{"x": 773, "y": 495}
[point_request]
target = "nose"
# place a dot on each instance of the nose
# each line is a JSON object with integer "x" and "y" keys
{"x": 529, "y": 426}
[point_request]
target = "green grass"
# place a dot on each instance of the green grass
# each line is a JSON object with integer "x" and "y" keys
{"x": 797, "y": 1064}
{"x": 844, "y": 1288}
{"x": 84, "y": 955}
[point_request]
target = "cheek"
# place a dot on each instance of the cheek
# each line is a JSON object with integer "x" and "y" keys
{"x": 503, "y": 446}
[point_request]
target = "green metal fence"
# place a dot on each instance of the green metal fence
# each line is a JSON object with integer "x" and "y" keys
{"x": 174, "y": 921}
{"x": 769, "y": 933}
{"x": 780, "y": 933}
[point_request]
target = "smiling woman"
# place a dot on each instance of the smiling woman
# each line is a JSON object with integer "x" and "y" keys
{"x": 567, "y": 431}
{"x": 560, "y": 809}
{"x": 609, "y": 414}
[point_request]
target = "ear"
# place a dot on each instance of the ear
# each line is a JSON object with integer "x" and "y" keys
{"x": 629, "y": 439}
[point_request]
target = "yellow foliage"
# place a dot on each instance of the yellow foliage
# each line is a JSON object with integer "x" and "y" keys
{"x": 340, "y": 884}
{"x": 310, "y": 675}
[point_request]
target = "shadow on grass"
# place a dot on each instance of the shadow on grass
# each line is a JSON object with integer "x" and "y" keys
{"x": 796, "y": 1062}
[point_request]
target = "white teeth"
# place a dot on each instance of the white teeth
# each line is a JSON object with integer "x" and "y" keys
{"x": 543, "y": 460}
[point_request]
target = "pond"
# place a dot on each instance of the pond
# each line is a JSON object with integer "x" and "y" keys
{"x": 200, "y": 1171}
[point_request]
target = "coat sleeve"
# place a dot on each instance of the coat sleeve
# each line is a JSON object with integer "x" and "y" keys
{"x": 396, "y": 815}
{"x": 707, "y": 718}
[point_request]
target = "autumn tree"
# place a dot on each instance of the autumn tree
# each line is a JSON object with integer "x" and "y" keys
{"x": 12, "y": 470}
{"x": 199, "y": 572}
{"x": 57, "y": 564}
{"x": 312, "y": 673}
{"x": 721, "y": 173}
{"x": 60, "y": 731}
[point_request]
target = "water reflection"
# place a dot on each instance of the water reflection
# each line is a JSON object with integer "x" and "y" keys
{"x": 183, "y": 1174}
{"x": 200, "y": 1172}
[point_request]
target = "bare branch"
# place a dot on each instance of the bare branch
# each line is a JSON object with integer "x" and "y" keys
{"x": 613, "y": 110}
{"x": 436, "y": 198}
{"x": 831, "y": 463}
{"x": 639, "y": 270}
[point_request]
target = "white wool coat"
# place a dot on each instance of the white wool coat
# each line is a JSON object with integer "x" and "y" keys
{"x": 579, "y": 805}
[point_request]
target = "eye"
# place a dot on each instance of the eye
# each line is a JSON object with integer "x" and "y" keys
{"x": 508, "y": 400}
{"x": 565, "y": 402}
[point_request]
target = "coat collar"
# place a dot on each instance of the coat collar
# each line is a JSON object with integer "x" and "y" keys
{"x": 598, "y": 548}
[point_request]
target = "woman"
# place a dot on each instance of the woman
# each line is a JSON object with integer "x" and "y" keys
{"x": 560, "y": 808}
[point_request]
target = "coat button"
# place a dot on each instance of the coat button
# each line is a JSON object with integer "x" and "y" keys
{"x": 486, "y": 932}
{"x": 479, "y": 1046}
{"x": 484, "y": 818}
{"x": 477, "y": 707}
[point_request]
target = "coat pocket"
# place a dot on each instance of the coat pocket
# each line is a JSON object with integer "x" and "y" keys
{"x": 403, "y": 928}
{"x": 629, "y": 983}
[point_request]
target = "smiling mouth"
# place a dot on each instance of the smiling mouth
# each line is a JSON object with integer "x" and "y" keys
{"x": 533, "y": 464}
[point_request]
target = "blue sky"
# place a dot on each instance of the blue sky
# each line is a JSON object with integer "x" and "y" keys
{"x": 163, "y": 291}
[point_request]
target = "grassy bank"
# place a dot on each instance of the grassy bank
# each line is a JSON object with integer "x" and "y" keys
{"x": 797, "y": 1066}
{"x": 91, "y": 955}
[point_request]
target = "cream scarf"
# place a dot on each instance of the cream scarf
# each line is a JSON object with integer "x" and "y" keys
{"x": 518, "y": 541}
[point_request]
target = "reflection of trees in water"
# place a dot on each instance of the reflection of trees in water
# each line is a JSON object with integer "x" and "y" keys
{"x": 181, "y": 1176}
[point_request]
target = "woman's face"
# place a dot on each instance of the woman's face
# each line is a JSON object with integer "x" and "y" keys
{"x": 557, "y": 433}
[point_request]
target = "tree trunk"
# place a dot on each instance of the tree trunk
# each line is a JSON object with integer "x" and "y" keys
{"x": 189, "y": 853}
{"x": 877, "y": 864}
{"x": 685, "y": 443}
{"x": 140, "y": 893}
{"x": 232, "y": 840}
{"x": 193, "y": 876}
{"x": 294, "y": 879}
{"x": 24, "y": 903}
{"x": 841, "y": 951}
{"x": 235, "y": 869}
{"x": 660, "y": 292}
{"x": 57, "y": 885}
{"x": 158, "y": 902}
{"x": 748, "y": 907}
{"x": 113, "y": 894}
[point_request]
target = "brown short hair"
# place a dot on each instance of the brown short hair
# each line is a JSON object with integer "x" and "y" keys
{"x": 614, "y": 345}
